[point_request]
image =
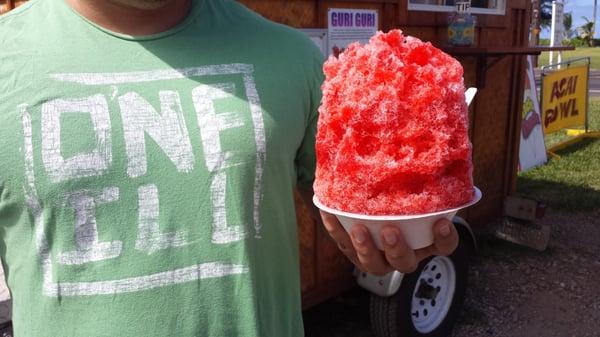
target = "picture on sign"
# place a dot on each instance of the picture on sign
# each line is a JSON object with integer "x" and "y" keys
{"x": 346, "y": 26}
{"x": 564, "y": 98}
{"x": 532, "y": 150}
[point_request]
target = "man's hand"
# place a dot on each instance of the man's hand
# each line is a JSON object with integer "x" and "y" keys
{"x": 360, "y": 248}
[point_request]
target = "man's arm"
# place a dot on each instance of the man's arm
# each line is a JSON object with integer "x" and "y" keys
{"x": 360, "y": 248}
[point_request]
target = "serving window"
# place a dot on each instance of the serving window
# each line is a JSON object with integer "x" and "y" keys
{"x": 495, "y": 7}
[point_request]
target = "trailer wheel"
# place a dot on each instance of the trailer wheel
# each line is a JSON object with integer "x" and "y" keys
{"x": 429, "y": 300}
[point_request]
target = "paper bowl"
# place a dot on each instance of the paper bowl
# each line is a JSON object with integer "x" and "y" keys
{"x": 417, "y": 229}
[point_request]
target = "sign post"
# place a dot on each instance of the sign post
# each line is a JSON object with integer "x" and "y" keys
{"x": 557, "y": 29}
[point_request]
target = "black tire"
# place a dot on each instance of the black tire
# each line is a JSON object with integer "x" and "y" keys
{"x": 391, "y": 316}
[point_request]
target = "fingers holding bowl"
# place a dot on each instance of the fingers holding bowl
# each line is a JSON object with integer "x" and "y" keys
{"x": 370, "y": 257}
{"x": 397, "y": 252}
{"x": 445, "y": 237}
{"x": 445, "y": 240}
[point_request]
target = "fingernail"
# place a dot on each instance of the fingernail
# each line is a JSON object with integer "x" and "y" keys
{"x": 445, "y": 230}
{"x": 390, "y": 238}
{"x": 359, "y": 236}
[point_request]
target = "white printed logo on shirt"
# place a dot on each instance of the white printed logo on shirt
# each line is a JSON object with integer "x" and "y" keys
{"x": 168, "y": 129}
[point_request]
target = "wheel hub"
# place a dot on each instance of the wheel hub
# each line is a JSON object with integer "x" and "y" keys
{"x": 433, "y": 294}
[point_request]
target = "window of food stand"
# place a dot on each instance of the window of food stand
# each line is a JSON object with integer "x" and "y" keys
{"x": 495, "y": 7}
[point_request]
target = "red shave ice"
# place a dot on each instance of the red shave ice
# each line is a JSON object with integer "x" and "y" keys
{"x": 393, "y": 130}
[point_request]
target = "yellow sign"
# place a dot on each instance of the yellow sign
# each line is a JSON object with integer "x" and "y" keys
{"x": 564, "y": 98}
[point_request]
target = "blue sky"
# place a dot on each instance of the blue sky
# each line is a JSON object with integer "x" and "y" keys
{"x": 579, "y": 8}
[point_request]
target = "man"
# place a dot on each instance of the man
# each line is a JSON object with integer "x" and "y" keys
{"x": 149, "y": 150}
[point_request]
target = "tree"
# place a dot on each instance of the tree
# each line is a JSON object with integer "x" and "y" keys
{"x": 545, "y": 13}
{"x": 586, "y": 31}
{"x": 594, "y": 18}
{"x": 568, "y": 23}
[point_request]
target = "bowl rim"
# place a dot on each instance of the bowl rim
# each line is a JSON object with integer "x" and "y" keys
{"x": 476, "y": 197}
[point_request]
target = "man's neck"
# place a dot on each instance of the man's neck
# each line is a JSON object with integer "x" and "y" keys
{"x": 129, "y": 20}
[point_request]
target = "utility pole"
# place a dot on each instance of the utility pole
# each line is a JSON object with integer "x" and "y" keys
{"x": 557, "y": 29}
{"x": 594, "y": 18}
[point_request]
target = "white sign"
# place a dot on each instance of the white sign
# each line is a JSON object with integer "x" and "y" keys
{"x": 532, "y": 150}
{"x": 463, "y": 6}
{"x": 318, "y": 36}
{"x": 350, "y": 25}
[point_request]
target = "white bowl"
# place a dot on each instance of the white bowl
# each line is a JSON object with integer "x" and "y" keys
{"x": 417, "y": 228}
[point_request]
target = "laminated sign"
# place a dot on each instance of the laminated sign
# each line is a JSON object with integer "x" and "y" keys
{"x": 564, "y": 98}
{"x": 346, "y": 26}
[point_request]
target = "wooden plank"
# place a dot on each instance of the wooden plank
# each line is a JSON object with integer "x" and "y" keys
{"x": 321, "y": 14}
{"x": 423, "y": 33}
{"x": 333, "y": 271}
{"x": 307, "y": 234}
{"x": 389, "y": 17}
{"x": 402, "y": 12}
{"x": 374, "y": 1}
{"x": 298, "y": 13}
{"x": 518, "y": 89}
{"x": 7, "y": 5}
{"x": 500, "y": 50}
{"x": 320, "y": 294}
{"x": 520, "y": 4}
{"x": 332, "y": 265}
{"x": 514, "y": 107}
{"x": 494, "y": 21}
{"x": 489, "y": 139}
{"x": 513, "y": 131}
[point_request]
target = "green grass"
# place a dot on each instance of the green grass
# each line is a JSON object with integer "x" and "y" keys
{"x": 594, "y": 53}
{"x": 572, "y": 182}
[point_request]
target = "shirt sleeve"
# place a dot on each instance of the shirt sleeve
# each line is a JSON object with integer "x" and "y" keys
{"x": 306, "y": 157}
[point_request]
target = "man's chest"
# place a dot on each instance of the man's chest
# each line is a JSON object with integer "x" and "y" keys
{"x": 138, "y": 162}
{"x": 160, "y": 124}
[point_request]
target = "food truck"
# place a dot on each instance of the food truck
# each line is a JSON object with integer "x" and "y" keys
{"x": 427, "y": 302}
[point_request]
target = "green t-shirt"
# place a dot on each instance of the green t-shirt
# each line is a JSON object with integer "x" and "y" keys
{"x": 146, "y": 182}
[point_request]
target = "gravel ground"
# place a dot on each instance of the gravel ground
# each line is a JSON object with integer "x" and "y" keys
{"x": 513, "y": 291}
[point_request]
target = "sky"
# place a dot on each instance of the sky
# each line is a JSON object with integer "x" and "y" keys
{"x": 579, "y": 8}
